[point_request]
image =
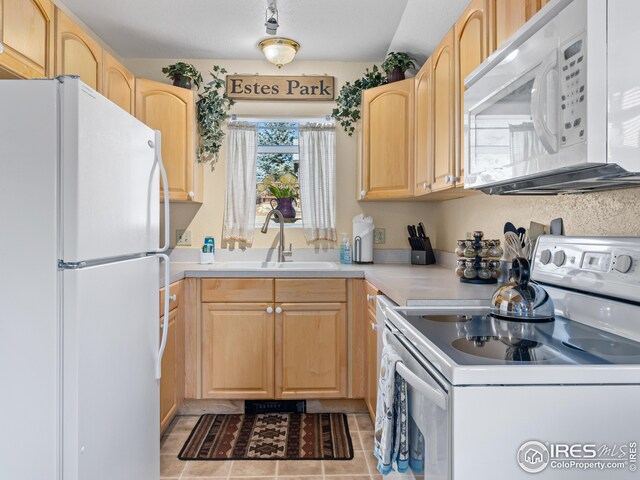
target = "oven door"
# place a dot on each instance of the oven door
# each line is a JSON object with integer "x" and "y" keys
{"x": 428, "y": 402}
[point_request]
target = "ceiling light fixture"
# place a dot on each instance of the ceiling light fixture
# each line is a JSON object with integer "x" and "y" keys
{"x": 279, "y": 51}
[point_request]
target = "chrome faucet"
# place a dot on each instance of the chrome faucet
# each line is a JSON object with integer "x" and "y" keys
{"x": 281, "y": 253}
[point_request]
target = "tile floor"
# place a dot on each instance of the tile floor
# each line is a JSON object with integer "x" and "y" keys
{"x": 362, "y": 467}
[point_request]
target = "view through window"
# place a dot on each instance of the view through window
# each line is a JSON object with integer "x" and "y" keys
{"x": 277, "y": 171}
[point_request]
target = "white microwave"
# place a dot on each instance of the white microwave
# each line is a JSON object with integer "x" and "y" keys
{"x": 557, "y": 108}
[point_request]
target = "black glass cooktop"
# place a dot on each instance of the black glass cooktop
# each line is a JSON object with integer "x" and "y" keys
{"x": 477, "y": 338}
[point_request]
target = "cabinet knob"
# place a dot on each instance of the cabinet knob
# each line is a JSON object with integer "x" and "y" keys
{"x": 362, "y": 193}
{"x": 191, "y": 195}
{"x": 426, "y": 186}
{"x": 278, "y": 310}
{"x": 374, "y": 326}
{"x": 371, "y": 298}
{"x": 1, "y": 47}
{"x": 173, "y": 298}
{"x": 150, "y": 142}
{"x": 269, "y": 309}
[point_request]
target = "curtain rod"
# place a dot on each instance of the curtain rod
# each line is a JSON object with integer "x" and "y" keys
{"x": 256, "y": 119}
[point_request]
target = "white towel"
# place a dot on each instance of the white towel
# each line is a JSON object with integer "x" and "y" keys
{"x": 391, "y": 444}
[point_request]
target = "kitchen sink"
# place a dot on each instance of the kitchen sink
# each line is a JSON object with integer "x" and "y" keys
{"x": 241, "y": 266}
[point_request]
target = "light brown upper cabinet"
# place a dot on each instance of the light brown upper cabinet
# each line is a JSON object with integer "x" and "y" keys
{"x": 471, "y": 49}
{"x": 509, "y": 15}
{"x": 387, "y": 136}
{"x": 26, "y": 35}
{"x": 424, "y": 130}
{"x": 77, "y": 53}
{"x": 444, "y": 140}
{"x": 172, "y": 111}
{"x": 118, "y": 83}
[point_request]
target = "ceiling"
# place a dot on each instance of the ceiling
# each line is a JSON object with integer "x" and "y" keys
{"x": 339, "y": 30}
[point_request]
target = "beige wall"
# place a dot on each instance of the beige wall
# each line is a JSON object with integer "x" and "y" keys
{"x": 604, "y": 213}
{"x": 208, "y": 219}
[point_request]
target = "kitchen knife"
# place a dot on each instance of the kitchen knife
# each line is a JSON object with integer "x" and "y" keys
{"x": 421, "y": 231}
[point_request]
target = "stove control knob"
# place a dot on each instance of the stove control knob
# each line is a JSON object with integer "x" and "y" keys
{"x": 623, "y": 264}
{"x": 545, "y": 257}
{"x": 559, "y": 258}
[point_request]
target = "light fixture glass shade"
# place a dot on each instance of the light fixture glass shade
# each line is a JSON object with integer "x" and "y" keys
{"x": 279, "y": 51}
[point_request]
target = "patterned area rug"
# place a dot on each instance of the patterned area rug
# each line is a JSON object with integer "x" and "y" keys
{"x": 270, "y": 436}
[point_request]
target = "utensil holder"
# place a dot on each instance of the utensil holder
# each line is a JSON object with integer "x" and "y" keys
{"x": 206, "y": 258}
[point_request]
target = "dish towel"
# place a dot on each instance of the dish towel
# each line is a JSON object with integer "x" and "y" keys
{"x": 391, "y": 443}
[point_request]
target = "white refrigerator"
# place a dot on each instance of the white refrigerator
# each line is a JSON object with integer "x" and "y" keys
{"x": 80, "y": 347}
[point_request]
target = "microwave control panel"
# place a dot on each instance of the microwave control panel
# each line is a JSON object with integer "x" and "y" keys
{"x": 573, "y": 104}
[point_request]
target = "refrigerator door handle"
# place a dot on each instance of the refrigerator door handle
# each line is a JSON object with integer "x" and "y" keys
{"x": 165, "y": 324}
{"x": 165, "y": 188}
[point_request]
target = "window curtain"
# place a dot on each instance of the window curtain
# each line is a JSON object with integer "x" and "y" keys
{"x": 240, "y": 201}
{"x": 317, "y": 176}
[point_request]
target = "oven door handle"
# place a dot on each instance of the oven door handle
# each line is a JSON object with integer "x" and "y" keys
{"x": 435, "y": 395}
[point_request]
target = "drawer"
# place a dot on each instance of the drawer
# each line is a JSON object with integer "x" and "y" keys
{"x": 371, "y": 297}
{"x": 174, "y": 289}
{"x": 311, "y": 290}
{"x": 227, "y": 290}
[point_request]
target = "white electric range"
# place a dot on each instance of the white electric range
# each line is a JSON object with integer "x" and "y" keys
{"x": 496, "y": 399}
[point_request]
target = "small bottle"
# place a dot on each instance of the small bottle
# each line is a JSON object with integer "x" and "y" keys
{"x": 345, "y": 250}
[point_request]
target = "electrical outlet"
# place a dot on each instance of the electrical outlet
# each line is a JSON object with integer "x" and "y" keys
{"x": 183, "y": 238}
{"x": 379, "y": 235}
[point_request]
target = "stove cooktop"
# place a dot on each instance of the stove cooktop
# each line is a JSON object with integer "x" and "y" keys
{"x": 477, "y": 338}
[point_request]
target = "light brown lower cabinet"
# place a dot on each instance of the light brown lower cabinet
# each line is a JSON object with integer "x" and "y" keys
{"x": 237, "y": 350}
{"x": 168, "y": 381}
{"x": 311, "y": 350}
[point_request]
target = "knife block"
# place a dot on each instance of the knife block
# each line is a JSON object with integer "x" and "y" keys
{"x": 423, "y": 257}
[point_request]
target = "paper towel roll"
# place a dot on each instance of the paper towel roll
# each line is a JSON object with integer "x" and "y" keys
{"x": 362, "y": 227}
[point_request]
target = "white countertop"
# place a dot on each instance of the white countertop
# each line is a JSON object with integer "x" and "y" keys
{"x": 405, "y": 284}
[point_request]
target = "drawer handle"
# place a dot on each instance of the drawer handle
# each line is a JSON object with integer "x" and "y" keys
{"x": 371, "y": 298}
{"x": 173, "y": 297}
{"x": 269, "y": 309}
{"x": 278, "y": 310}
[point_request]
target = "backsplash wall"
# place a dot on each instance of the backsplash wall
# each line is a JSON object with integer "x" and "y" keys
{"x": 393, "y": 216}
{"x": 614, "y": 213}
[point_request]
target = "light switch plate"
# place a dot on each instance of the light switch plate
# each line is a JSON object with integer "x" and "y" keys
{"x": 379, "y": 235}
{"x": 183, "y": 238}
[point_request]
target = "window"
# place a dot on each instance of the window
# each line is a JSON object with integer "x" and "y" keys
{"x": 277, "y": 170}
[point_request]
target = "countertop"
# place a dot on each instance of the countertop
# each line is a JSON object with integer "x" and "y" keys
{"x": 405, "y": 284}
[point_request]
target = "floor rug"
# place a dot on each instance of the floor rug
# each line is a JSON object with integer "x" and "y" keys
{"x": 270, "y": 436}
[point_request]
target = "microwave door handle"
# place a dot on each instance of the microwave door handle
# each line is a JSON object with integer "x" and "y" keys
{"x": 435, "y": 395}
{"x": 548, "y": 138}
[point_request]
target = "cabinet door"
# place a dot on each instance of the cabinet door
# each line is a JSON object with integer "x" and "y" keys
{"x": 77, "y": 53}
{"x": 388, "y": 141}
{"x": 172, "y": 111}
{"x": 509, "y": 16}
{"x": 168, "y": 384}
{"x": 424, "y": 130}
{"x": 444, "y": 86}
{"x": 237, "y": 350}
{"x": 311, "y": 350}
{"x": 26, "y": 35}
{"x": 372, "y": 366}
{"x": 471, "y": 48}
{"x": 118, "y": 83}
